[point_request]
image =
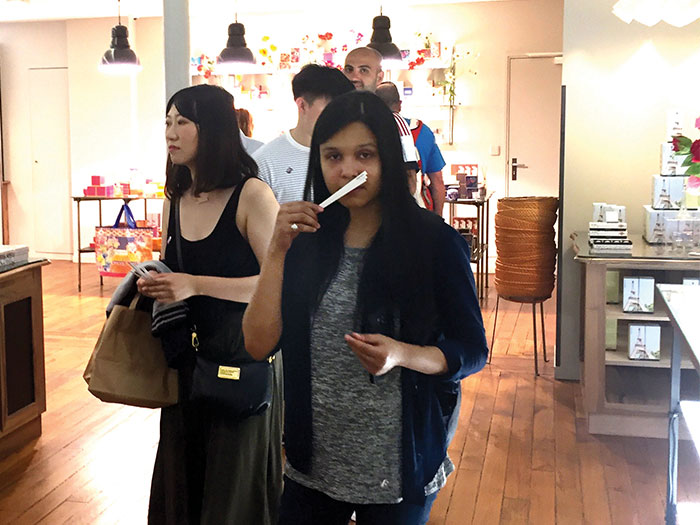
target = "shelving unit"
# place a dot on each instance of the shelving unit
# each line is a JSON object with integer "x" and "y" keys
{"x": 480, "y": 252}
{"x": 623, "y": 396}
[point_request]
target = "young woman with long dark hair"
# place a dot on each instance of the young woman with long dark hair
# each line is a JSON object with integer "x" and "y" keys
{"x": 373, "y": 303}
{"x": 213, "y": 468}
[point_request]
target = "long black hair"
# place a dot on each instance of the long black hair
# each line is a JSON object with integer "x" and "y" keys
{"x": 221, "y": 161}
{"x": 398, "y": 262}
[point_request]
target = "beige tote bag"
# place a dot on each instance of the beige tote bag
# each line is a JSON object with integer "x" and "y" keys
{"x": 128, "y": 365}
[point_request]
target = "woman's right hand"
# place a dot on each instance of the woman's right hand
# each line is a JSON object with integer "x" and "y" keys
{"x": 294, "y": 218}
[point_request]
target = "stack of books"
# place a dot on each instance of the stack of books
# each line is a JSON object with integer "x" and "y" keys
{"x": 12, "y": 256}
{"x": 609, "y": 238}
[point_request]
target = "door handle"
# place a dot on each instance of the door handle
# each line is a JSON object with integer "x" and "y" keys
{"x": 514, "y": 168}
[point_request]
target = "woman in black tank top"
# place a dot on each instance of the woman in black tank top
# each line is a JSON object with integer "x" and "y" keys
{"x": 210, "y": 468}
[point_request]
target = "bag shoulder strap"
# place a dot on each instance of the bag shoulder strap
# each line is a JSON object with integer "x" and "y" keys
{"x": 178, "y": 241}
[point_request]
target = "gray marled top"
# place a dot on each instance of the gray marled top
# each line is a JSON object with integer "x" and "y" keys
{"x": 356, "y": 424}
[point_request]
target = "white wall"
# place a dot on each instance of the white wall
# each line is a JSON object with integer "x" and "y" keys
{"x": 621, "y": 79}
{"x": 24, "y": 46}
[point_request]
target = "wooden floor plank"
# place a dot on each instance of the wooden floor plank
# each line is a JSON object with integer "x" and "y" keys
{"x": 491, "y": 487}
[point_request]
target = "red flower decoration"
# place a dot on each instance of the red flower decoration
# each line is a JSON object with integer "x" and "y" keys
{"x": 207, "y": 73}
{"x": 676, "y": 144}
{"x": 345, "y": 47}
{"x": 695, "y": 150}
{"x": 420, "y": 61}
{"x": 693, "y": 185}
{"x": 334, "y": 50}
{"x": 200, "y": 67}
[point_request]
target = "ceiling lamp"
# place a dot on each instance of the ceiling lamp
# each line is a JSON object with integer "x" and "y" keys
{"x": 120, "y": 59}
{"x": 650, "y": 12}
{"x": 381, "y": 41}
{"x": 235, "y": 57}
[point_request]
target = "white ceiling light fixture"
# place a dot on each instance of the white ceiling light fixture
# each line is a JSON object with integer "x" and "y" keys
{"x": 650, "y": 12}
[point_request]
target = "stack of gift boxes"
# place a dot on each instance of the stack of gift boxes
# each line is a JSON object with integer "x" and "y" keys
{"x": 669, "y": 195}
{"x": 607, "y": 232}
{"x": 98, "y": 188}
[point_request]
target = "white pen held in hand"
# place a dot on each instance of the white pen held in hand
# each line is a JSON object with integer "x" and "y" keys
{"x": 354, "y": 183}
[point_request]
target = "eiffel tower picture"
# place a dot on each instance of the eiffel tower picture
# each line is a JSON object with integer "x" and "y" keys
{"x": 644, "y": 348}
{"x": 658, "y": 234}
{"x": 664, "y": 200}
{"x": 632, "y": 304}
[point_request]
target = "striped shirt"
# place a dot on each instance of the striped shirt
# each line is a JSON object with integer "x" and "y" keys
{"x": 409, "y": 148}
{"x": 282, "y": 164}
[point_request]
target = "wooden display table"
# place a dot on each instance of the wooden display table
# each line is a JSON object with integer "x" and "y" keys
{"x": 22, "y": 381}
{"x": 624, "y": 396}
{"x": 98, "y": 200}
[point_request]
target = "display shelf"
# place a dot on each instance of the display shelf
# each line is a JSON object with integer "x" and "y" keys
{"x": 619, "y": 358}
{"x": 614, "y": 311}
{"x": 624, "y": 396}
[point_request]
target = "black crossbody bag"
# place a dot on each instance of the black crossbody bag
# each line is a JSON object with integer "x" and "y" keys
{"x": 242, "y": 388}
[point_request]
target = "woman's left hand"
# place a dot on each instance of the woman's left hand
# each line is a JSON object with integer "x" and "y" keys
{"x": 167, "y": 287}
{"x": 378, "y": 353}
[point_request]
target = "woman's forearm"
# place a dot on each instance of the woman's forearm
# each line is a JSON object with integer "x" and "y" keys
{"x": 239, "y": 289}
{"x": 425, "y": 359}
{"x": 262, "y": 322}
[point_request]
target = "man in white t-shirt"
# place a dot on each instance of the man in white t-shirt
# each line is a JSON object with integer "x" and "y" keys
{"x": 284, "y": 161}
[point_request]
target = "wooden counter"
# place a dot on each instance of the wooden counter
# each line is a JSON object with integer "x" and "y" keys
{"x": 22, "y": 381}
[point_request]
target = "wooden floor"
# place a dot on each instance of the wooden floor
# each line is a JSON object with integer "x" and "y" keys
{"x": 522, "y": 453}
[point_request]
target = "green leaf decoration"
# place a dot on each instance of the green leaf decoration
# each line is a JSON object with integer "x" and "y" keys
{"x": 688, "y": 160}
{"x": 684, "y": 143}
{"x": 694, "y": 169}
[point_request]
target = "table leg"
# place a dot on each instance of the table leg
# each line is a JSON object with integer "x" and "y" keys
{"x": 451, "y": 207}
{"x": 80, "y": 266}
{"x": 486, "y": 232}
{"x": 674, "y": 414}
{"x": 99, "y": 205}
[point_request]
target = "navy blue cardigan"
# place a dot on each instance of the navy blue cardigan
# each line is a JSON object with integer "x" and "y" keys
{"x": 428, "y": 401}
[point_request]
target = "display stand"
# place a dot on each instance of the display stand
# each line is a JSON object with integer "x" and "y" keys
{"x": 480, "y": 252}
{"x": 624, "y": 396}
{"x": 82, "y": 250}
{"x": 22, "y": 378}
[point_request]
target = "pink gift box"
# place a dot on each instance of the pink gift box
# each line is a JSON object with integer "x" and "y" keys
{"x": 104, "y": 191}
{"x": 98, "y": 180}
{"x": 91, "y": 191}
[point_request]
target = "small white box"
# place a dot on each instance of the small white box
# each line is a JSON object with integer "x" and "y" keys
{"x": 667, "y": 192}
{"x": 689, "y": 281}
{"x": 645, "y": 342}
{"x": 638, "y": 294}
{"x": 671, "y": 164}
{"x": 598, "y": 212}
{"x": 655, "y": 224}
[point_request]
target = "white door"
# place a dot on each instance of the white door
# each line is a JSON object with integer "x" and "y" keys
{"x": 51, "y": 207}
{"x": 533, "y": 126}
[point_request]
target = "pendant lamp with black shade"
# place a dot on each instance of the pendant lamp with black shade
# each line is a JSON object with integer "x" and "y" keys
{"x": 120, "y": 59}
{"x": 235, "y": 58}
{"x": 381, "y": 41}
